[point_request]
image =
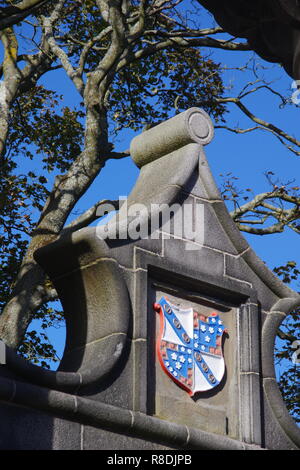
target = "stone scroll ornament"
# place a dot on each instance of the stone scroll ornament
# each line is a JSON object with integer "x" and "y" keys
{"x": 189, "y": 347}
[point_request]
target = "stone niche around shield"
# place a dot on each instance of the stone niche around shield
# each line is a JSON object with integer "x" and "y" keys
{"x": 217, "y": 410}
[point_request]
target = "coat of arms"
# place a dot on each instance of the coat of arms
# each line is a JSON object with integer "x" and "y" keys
{"x": 189, "y": 347}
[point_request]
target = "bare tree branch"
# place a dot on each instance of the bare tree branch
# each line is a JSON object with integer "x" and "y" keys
{"x": 262, "y": 124}
{"x": 61, "y": 55}
{"x": 89, "y": 216}
{"x": 13, "y": 14}
{"x": 283, "y": 216}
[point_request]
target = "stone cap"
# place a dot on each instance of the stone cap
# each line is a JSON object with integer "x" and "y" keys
{"x": 191, "y": 126}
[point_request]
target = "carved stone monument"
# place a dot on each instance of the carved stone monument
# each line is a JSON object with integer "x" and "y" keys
{"x": 171, "y": 321}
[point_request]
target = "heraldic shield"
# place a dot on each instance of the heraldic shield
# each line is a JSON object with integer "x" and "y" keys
{"x": 189, "y": 347}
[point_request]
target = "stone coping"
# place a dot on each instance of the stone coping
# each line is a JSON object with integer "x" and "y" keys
{"x": 115, "y": 419}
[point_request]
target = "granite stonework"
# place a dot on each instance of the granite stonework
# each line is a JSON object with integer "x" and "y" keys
{"x": 110, "y": 391}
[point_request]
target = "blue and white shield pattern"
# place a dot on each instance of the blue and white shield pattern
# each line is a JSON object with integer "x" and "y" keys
{"x": 189, "y": 347}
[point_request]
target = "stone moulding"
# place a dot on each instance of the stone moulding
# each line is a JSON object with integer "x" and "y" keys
{"x": 271, "y": 325}
{"x": 86, "y": 336}
{"x": 115, "y": 419}
{"x": 103, "y": 285}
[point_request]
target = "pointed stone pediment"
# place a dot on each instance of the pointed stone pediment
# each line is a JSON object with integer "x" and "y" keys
{"x": 172, "y": 241}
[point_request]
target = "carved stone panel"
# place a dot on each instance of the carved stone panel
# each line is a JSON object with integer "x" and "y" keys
{"x": 220, "y": 409}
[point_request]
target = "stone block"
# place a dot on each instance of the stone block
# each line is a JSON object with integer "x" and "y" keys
{"x": 239, "y": 269}
{"x": 249, "y": 341}
{"x": 199, "y": 440}
{"x": 230, "y": 227}
{"x": 275, "y": 410}
{"x": 250, "y": 403}
{"x": 140, "y": 383}
{"x": 159, "y": 430}
{"x": 116, "y": 388}
{"x": 24, "y": 429}
{"x": 274, "y": 436}
{"x": 214, "y": 234}
{"x": 201, "y": 259}
{"x": 271, "y": 324}
{"x": 195, "y": 186}
{"x": 98, "y": 439}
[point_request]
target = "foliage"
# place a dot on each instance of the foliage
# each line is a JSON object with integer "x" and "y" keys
{"x": 39, "y": 126}
{"x": 36, "y": 346}
{"x": 267, "y": 213}
{"x": 166, "y": 82}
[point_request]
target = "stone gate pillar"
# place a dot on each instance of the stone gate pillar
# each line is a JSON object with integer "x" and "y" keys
{"x": 171, "y": 321}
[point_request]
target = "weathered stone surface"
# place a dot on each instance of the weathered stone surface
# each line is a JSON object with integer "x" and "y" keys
{"x": 193, "y": 125}
{"x": 272, "y": 322}
{"x": 219, "y": 241}
{"x": 110, "y": 391}
{"x": 250, "y": 403}
{"x": 96, "y": 360}
{"x": 100, "y": 293}
{"x": 230, "y": 227}
{"x": 274, "y": 400}
{"x": 67, "y": 435}
{"x": 168, "y": 431}
{"x": 274, "y": 438}
{"x": 97, "y": 439}
{"x": 24, "y": 429}
{"x": 210, "y": 261}
{"x": 209, "y": 441}
{"x": 249, "y": 344}
{"x": 194, "y": 186}
{"x": 214, "y": 411}
{"x": 238, "y": 269}
{"x": 140, "y": 375}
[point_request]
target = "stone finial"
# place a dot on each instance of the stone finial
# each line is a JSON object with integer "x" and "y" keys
{"x": 191, "y": 126}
